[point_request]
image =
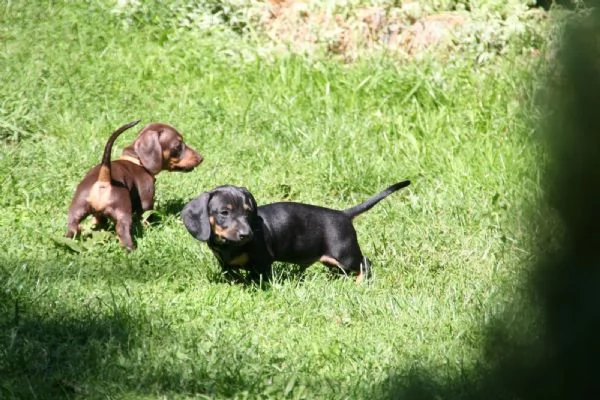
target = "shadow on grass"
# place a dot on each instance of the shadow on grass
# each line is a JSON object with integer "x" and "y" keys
{"x": 49, "y": 350}
{"x": 547, "y": 345}
{"x": 54, "y": 356}
{"x": 558, "y": 360}
{"x": 282, "y": 274}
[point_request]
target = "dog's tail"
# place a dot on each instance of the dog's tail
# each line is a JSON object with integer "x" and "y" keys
{"x": 104, "y": 174}
{"x": 369, "y": 203}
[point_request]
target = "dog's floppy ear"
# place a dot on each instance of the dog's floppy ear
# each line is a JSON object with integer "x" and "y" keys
{"x": 195, "y": 217}
{"x": 147, "y": 147}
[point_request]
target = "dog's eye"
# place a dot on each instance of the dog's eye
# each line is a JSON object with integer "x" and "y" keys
{"x": 177, "y": 150}
{"x": 224, "y": 213}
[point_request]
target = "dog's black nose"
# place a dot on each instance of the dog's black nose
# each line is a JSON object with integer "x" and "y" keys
{"x": 245, "y": 235}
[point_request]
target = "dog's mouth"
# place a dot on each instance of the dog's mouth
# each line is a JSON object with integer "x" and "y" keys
{"x": 223, "y": 240}
{"x": 179, "y": 168}
{"x": 186, "y": 165}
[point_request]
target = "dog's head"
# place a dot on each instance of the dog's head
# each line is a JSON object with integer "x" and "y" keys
{"x": 160, "y": 147}
{"x": 225, "y": 214}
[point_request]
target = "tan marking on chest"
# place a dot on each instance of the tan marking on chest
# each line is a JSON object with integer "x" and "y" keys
{"x": 240, "y": 260}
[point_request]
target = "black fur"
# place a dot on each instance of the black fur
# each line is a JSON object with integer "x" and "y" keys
{"x": 242, "y": 235}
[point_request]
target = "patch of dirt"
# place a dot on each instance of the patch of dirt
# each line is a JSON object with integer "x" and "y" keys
{"x": 307, "y": 27}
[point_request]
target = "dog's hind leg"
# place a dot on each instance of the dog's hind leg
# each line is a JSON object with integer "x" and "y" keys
{"x": 365, "y": 270}
{"x": 123, "y": 217}
{"x": 78, "y": 211}
{"x": 354, "y": 263}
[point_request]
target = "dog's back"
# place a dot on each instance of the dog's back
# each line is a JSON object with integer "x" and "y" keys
{"x": 303, "y": 232}
{"x": 124, "y": 174}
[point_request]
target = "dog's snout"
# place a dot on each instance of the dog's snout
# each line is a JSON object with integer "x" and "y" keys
{"x": 245, "y": 234}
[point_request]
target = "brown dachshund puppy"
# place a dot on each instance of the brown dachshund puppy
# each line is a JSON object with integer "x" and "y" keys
{"x": 120, "y": 188}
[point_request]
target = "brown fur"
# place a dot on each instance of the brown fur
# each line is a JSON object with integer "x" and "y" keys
{"x": 118, "y": 189}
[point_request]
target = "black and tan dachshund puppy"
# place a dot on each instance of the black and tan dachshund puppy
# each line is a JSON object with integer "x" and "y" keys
{"x": 244, "y": 236}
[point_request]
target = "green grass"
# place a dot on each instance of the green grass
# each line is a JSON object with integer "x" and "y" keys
{"x": 159, "y": 323}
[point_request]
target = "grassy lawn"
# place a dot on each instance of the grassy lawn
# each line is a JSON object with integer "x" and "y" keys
{"x": 91, "y": 321}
